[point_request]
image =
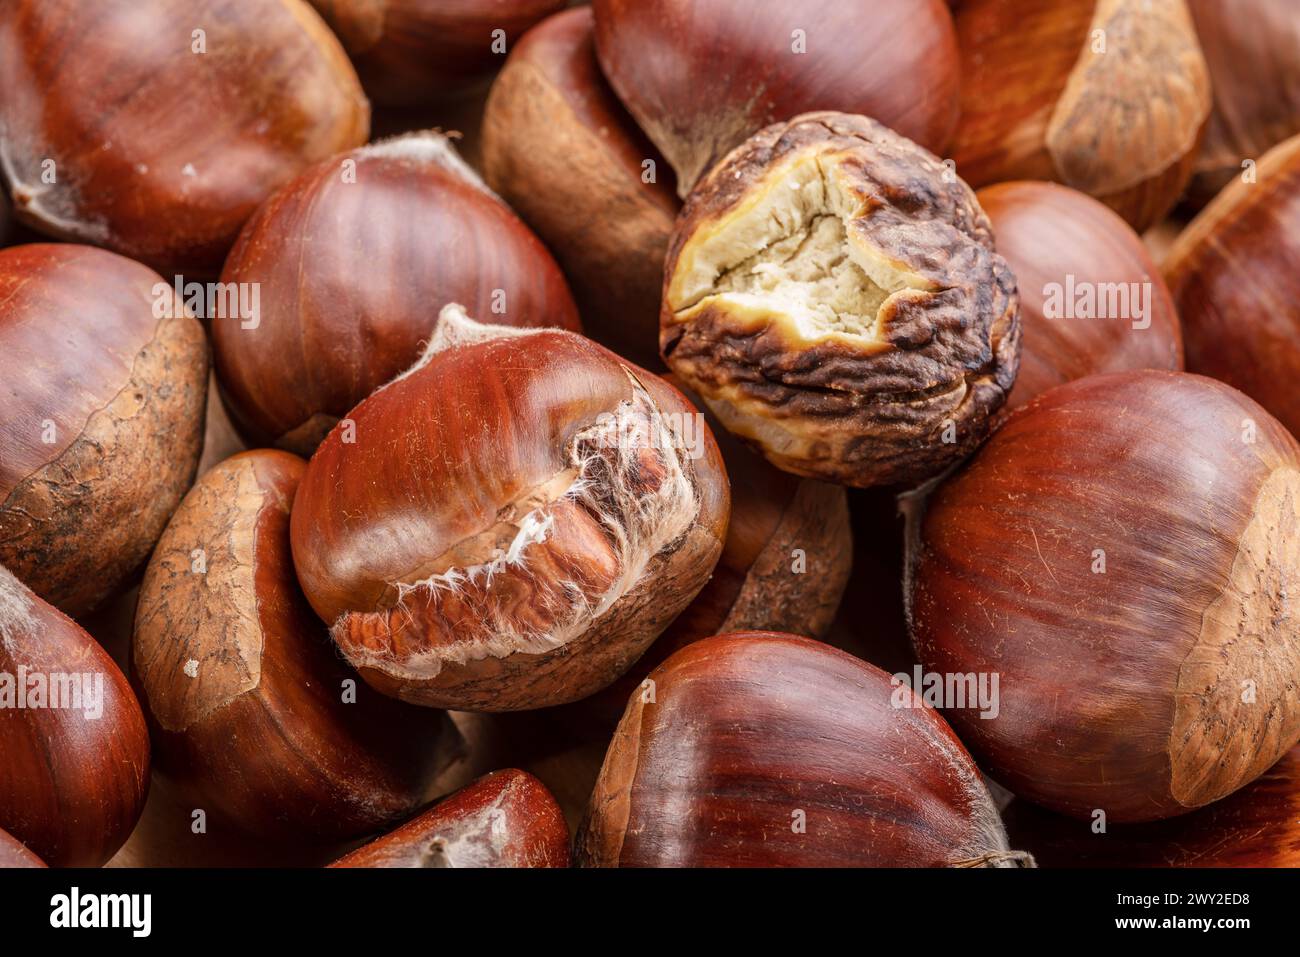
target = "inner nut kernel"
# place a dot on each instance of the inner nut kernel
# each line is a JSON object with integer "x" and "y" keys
{"x": 833, "y": 293}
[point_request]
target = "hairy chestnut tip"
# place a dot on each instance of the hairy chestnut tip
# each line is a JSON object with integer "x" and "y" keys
{"x": 1121, "y": 554}
{"x": 832, "y": 292}
{"x": 509, "y": 524}
{"x": 762, "y": 749}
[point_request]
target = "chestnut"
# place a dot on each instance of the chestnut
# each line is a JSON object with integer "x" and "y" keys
{"x": 1091, "y": 297}
{"x": 353, "y": 260}
{"x": 769, "y": 750}
{"x": 413, "y": 51}
{"x": 1120, "y": 553}
{"x": 505, "y": 819}
{"x": 510, "y": 523}
{"x": 1235, "y": 275}
{"x": 102, "y": 400}
{"x": 252, "y": 713}
{"x": 701, "y": 76}
{"x": 1259, "y": 826}
{"x": 835, "y": 297}
{"x": 551, "y": 113}
{"x": 1109, "y": 97}
{"x": 155, "y": 127}
{"x": 14, "y": 853}
{"x": 74, "y": 751}
{"x": 1251, "y": 48}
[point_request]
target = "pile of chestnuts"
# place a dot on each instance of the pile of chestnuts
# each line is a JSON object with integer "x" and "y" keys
{"x": 650, "y": 433}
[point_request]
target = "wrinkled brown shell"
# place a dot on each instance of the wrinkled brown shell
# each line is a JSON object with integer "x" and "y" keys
{"x": 123, "y": 394}
{"x": 852, "y": 412}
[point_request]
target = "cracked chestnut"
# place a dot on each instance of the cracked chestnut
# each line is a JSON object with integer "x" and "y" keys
{"x": 1121, "y": 553}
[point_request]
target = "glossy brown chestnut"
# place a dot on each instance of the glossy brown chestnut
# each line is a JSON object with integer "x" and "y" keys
{"x": 252, "y": 712}
{"x": 1091, "y": 298}
{"x": 14, "y": 853}
{"x": 155, "y": 127}
{"x": 700, "y": 76}
{"x": 74, "y": 751}
{"x": 414, "y": 51}
{"x": 768, "y": 750}
{"x": 353, "y": 260}
{"x": 1259, "y": 826}
{"x": 1235, "y": 275}
{"x": 1107, "y": 96}
{"x": 1121, "y": 554}
{"x": 551, "y": 113}
{"x": 101, "y": 417}
{"x": 506, "y": 819}
{"x": 511, "y": 523}
{"x": 834, "y": 296}
{"x": 1252, "y": 48}
{"x": 784, "y": 566}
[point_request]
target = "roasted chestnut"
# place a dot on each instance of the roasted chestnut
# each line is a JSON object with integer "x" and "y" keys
{"x": 155, "y": 127}
{"x": 1235, "y": 275}
{"x": 1121, "y": 554}
{"x": 509, "y": 524}
{"x": 413, "y": 51}
{"x": 1109, "y": 97}
{"x": 700, "y": 76}
{"x": 103, "y": 381}
{"x": 1252, "y": 48}
{"x": 74, "y": 752}
{"x": 506, "y": 819}
{"x": 352, "y": 261}
{"x": 560, "y": 148}
{"x": 1091, "y": 298}
{"x": 834, "y": 296}
{"x": 252, "y": 713}
{"x": 768, "y": 750}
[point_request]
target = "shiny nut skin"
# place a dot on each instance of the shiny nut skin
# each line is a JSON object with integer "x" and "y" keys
{"x": 101, "y": 417}
{"x": 73, "y": 779}
{"x": 246, "y": 698}
{"x": 1109, "y": 97}
{"x": 353, "y": 260}
{"x": 1121, "y": 553}
{"x": 162, "y": 141}
{"x": 502, "y": 532}
{"x": 769, "y": 750}
{"x": 1235, "y": 274}
{"x": 833, "y": 294}
{"x": 505, "y": 819}
{"x": 551, "y": 113}
{"x": 1055, "y": 240}
{"x": 701, "y": 76}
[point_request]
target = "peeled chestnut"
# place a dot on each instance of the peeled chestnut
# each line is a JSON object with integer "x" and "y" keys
{"x": 1252, "y": 48}
{"x": 155, "y": 127}
{"x": 102, "y": 400}
{"x": 700, "y": 76}
{"x": 413, "y": 51}
{"x": 1109, "y": 97}
{"x": 1091, "y": 298}
{"x": 784, "y": 566}
{"x": 506, "y": 819}
{"x": 353, "y": 260}
{"x": 253, "y": 714}
{"x": 834, "y": 296}
{"x": 74, "y": 751}
{"x": 509, "y": 524}
{"x": 1122, "y": 554}
{"x": 1259, "y": 826}
{"x": 1235, "y": 275}
{"x": 768, "y": 750}
{"x": 550, "y": 113}
{"x": 14, "y": 854}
